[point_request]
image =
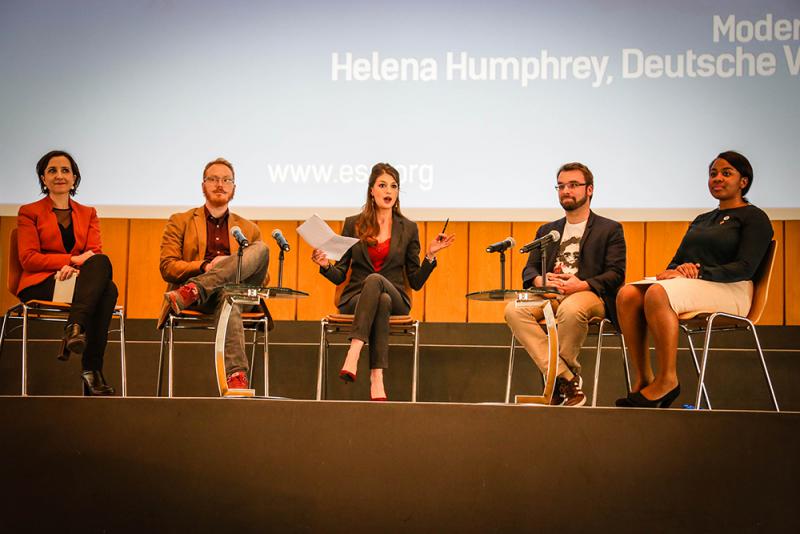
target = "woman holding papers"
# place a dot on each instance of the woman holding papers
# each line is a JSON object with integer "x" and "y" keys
{"x": 712, "y": 270}
{"x": 58, "y": 239}
{"x": 384, "y": 260}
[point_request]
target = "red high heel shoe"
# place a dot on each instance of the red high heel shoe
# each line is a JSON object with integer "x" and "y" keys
{"x": 378, "y": 398}
{"x": 347, "y": 376}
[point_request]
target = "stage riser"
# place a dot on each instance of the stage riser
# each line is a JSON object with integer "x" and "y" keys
{"x": 447, "y": 373}
{"x": 139, "y": 465}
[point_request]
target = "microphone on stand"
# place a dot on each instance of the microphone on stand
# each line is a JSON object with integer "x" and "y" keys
{"x": 282, "y": 243}
{"x": 500, "y": 246}
{"x": 237, "y": 234}
{"x": 550, "y": 237}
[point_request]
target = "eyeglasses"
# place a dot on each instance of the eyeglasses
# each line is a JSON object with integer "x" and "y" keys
{"x": 568, "y": 186}
{"x": 215, "y": 180}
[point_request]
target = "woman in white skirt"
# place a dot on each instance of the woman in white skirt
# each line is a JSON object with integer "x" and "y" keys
{"x": 711, "y": 271}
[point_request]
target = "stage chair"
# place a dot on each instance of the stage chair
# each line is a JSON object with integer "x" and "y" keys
{"x": 194, "y": 320}
{"x": 704, "y": 322}
{"x": 45, "y": 310}
{"x": 339, "y": 323}
{"x": 605, "y": 328}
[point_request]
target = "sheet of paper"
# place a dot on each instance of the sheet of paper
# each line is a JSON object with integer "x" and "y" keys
{"x": 64, "y": 290}
{"x": 646, "y": 281}
{"x": 318, "y": 234}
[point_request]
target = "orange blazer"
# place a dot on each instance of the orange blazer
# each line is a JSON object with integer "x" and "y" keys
{"x": 41, "y": 250}
{"x": 183, "y": 248}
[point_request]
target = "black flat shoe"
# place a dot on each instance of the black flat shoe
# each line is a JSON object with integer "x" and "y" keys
{"x": 74, "y": 341}
{"x": 94, "y": 384}
{"x": 637, "y": 400}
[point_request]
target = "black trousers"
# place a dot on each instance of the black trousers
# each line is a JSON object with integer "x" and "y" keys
{"x": 92, "y": 305}
{"x": 378, "y": 300}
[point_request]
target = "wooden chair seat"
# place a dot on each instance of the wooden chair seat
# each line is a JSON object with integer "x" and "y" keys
{"x": 347, "y": 318}
{"x": 194, "y": 314}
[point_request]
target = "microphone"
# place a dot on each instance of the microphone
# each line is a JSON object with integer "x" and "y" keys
{"x": 282, "y": 243}
{"x": 500, "y": 246}
{"x": 546, "y": 239}
{"x": 237, "y": 234}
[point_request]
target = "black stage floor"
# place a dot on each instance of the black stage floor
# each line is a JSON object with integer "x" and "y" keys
{"x": 199, "y": 465}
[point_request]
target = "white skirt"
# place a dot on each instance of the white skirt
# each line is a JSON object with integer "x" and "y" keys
{"x": 691, "y": 295}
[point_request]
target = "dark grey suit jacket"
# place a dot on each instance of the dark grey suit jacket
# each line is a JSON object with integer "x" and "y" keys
{"x": 401, "y": 263}
{"x": 601, "y": 263}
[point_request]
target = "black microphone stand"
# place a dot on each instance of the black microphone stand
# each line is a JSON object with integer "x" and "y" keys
{"x": 544, "y": 266}
{"x": 239, "y": 262}
{"x": 502, "y": 270}
{"x": 543, "y": 248}
{"x": 280, "y": 268}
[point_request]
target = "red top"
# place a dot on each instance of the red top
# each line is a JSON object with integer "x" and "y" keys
{"x": 378, "y": 254}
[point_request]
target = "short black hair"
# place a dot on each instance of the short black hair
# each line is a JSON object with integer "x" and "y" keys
{"x": 740, "y": 163}
{"x": 41, "y": 166}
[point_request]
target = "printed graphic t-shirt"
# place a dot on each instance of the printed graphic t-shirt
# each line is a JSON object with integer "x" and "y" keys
{"x": 569, "y": 249}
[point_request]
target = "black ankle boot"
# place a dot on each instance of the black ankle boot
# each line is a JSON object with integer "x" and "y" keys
{"x": 74, "y": 341}
{"x": 94, "y": 384}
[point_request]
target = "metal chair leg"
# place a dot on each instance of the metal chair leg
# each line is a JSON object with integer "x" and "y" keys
{"x": 266, "y": 357}
{"x": 625, "y": 362}
{"x": 597, "y": 360}
{"x": 171, "y": 346}
{"x": 415, "y": 371}
{"x": 697, "y": 366}
{"x": 24, "y": 351}
{"x": 510, "y": 368}
{"x": 3, "y": 331}
{"x": 322, "y": 341}
{"x": 161, "y": 361}
{"x": 764, "y": 366}
{"x": 703, "y": 362}
{"x": 123, "y": 361}
{"x": 252, "y": 358}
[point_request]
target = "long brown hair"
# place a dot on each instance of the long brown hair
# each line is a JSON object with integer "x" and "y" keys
{"x": 367, "y": 227}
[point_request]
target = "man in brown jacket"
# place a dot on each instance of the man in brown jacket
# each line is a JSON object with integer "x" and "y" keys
{"x": 198, "y": 257}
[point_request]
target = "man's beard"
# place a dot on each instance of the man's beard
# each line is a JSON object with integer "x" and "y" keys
{"x": 215, "y": 202}
{"x": 575, "y": 203}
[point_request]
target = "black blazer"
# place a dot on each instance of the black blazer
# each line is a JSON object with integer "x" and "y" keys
{"x": 401, "y": 263}
{"x": 601, "y": 263}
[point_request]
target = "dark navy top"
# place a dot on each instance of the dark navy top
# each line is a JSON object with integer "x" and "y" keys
{"x": 728, "y": 244}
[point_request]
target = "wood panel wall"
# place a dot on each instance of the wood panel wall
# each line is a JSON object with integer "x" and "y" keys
{"x": 134, "y": 244}
{"x": 791, "y": 272}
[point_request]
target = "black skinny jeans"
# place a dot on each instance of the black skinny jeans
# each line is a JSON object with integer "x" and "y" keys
{"x": 92, "y": 305}
{"x": 378, "y": 300}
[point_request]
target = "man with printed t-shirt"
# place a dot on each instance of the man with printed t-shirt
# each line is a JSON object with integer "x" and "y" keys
{"x": 587, "y": 267}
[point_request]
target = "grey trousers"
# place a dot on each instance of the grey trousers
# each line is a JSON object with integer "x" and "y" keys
{"x": 378, "y": 300}
{"x": 255, "y": 261}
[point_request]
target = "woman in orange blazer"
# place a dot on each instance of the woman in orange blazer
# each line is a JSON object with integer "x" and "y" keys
{"x": 57, "y": 239}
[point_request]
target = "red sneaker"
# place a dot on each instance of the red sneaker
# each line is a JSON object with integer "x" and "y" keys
{"x": 183, "y": 297}
{"x": 238, "y": 380}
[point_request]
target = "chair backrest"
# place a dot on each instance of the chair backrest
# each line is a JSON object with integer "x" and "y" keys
{"x": 337, "y": 295}
{"x": 761, "y": 283}
{"x": 14, "y": 266}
